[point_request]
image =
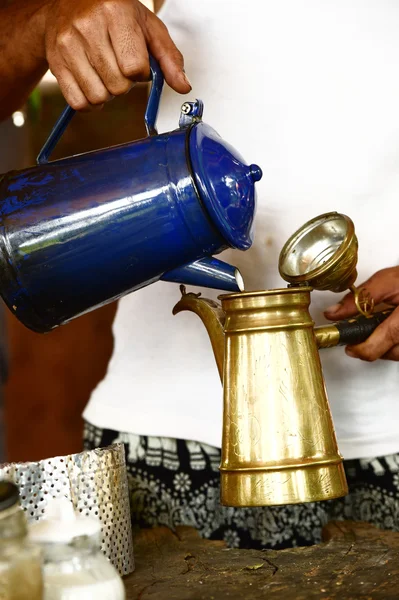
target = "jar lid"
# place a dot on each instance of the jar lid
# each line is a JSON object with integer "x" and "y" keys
{"x": 60, "y": 524}
{"x": 9, "y": 495}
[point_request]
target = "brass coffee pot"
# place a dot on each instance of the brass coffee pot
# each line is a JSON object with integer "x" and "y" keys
{"x": 278, "y": 443}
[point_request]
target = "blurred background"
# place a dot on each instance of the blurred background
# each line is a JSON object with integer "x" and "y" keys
{"x": 50, "y": 377}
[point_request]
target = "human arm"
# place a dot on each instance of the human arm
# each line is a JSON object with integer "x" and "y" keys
{"x": 383, "y": 287}
{"x": 95, "y": 48}
{"x": 157, "y": 4}
{"x": 22, "y": 57}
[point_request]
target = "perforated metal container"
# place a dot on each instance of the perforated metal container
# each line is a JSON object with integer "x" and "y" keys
{"x": 96, "y": 483}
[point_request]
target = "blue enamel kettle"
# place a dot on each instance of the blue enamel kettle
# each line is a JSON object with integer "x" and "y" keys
{"x": 80, "y": 232}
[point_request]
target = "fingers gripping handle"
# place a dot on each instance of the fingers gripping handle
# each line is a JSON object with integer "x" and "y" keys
{"x": 150, "y": 117}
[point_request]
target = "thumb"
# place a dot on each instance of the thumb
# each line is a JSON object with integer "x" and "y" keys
{"x": 343, "y": 309}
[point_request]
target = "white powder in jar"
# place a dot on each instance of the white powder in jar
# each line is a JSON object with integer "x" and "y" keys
{"x": 81, "y": 586}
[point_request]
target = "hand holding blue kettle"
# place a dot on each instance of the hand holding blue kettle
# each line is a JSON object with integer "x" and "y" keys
{"x": 80, "y": 232}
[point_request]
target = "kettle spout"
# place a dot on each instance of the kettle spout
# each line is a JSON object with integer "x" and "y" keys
{"x": 208, "y": 272}
{"x": 212, "y": 316}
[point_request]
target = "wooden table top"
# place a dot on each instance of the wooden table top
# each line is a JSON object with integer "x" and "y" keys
{"x": 355, "y": 561}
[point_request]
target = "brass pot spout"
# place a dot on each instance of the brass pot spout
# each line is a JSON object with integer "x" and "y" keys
{"x": 212, "y": 316}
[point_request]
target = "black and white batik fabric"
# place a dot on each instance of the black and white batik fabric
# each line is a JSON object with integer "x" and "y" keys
{"x": 176, "y": 482}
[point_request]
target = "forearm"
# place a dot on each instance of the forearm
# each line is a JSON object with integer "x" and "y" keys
{"x": 22, "y": 54}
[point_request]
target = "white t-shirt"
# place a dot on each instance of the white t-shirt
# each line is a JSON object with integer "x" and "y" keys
{"x": 309, "y": 90}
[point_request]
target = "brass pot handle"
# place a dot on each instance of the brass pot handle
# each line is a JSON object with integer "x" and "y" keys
{"x": 350, "y": 331}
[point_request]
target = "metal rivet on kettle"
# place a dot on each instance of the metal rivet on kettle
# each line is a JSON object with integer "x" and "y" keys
{"x": 186, "y": 108}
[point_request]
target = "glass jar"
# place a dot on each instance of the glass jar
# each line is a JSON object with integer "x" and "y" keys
{"x": 74, "y": 566}
{"x": 20, "y": 561}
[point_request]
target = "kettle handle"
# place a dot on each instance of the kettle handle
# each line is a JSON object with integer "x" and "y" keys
{"x": 150, "y": 116}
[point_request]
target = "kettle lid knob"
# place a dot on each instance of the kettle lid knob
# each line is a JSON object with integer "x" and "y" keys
{"x": 255, "y": 172}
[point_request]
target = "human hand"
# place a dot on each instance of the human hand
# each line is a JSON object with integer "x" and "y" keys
{"x": 383, "y": 287}
{"x": 97, "y": 49}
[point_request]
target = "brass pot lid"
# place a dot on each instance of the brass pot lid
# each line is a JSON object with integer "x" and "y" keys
{"x": 322, "y": 254}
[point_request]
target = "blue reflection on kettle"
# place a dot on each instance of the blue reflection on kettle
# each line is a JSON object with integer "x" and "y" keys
{"x": 83, "y": 231}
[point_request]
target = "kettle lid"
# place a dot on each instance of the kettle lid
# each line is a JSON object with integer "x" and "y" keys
{"x": 225, "y": 183}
